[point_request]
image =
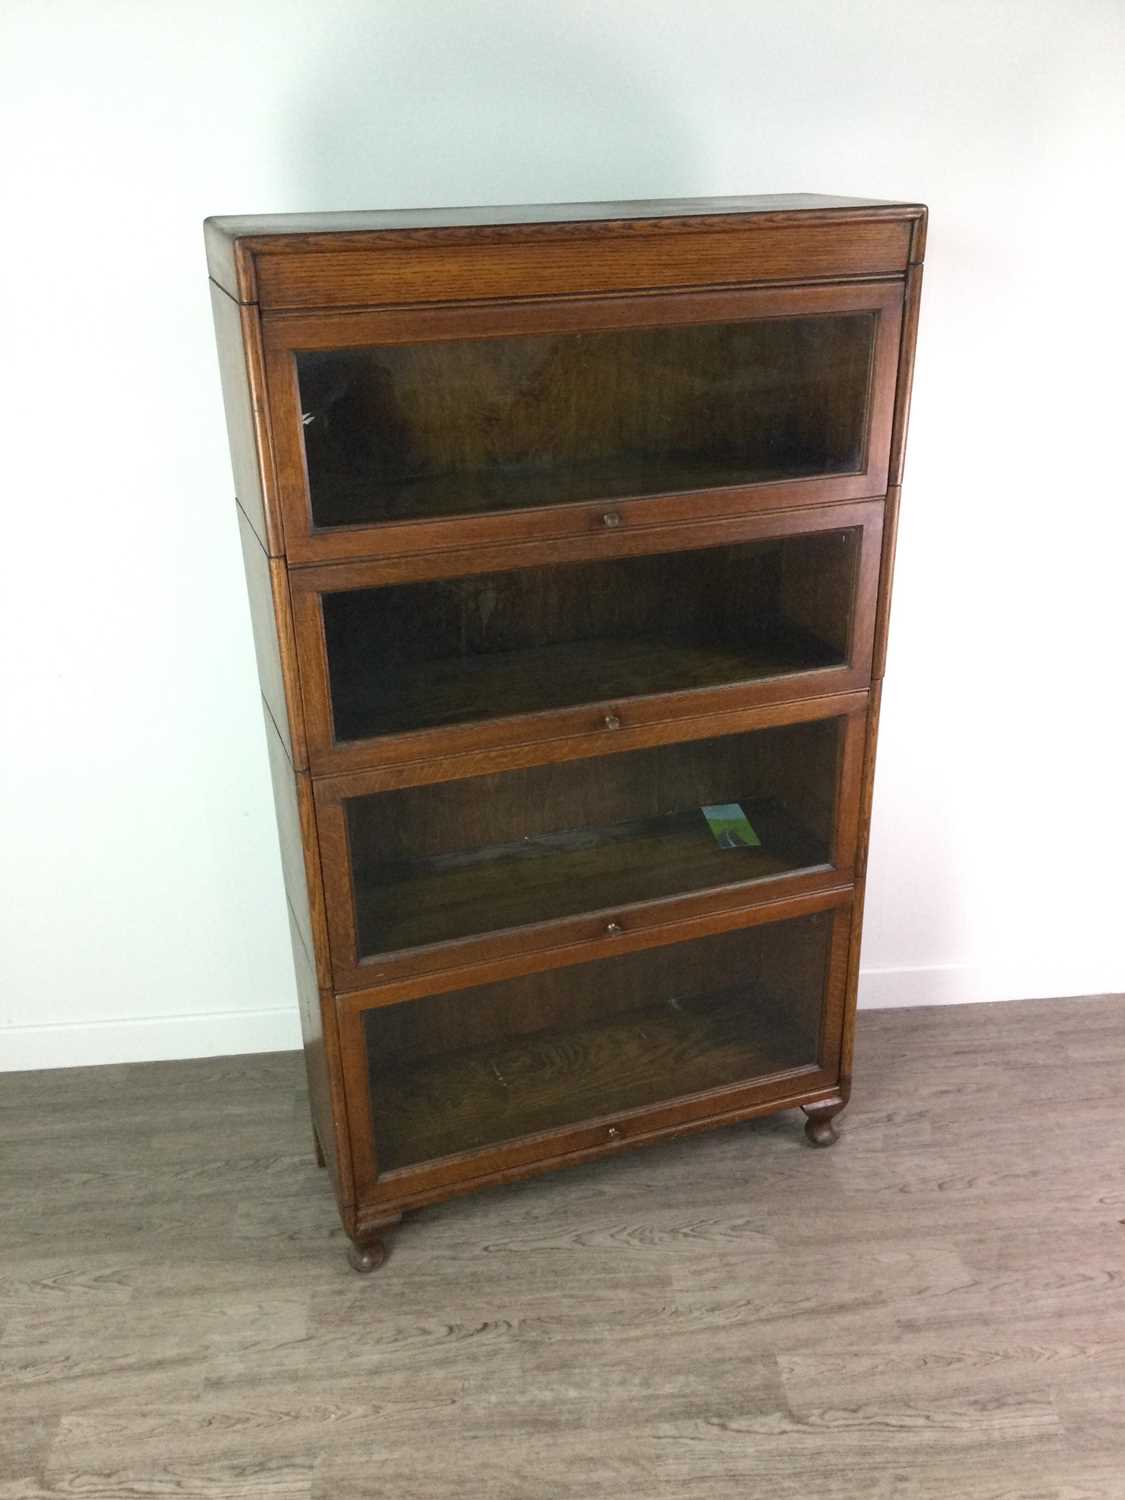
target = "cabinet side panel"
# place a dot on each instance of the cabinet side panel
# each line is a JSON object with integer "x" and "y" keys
{"x": 300, "y": 853}
{"x": 267, "y": 585}
{"x": 222, "y": 258}
{"x": 911, "y": 305}
{"x": 240, "y": 373}
{"x": 326, "y": 1098}
{"x": 886, "y": 580}
{"x": 852, "y": 985}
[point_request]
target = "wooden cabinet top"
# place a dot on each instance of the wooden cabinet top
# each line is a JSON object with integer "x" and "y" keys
{"x": 293, "y": 261}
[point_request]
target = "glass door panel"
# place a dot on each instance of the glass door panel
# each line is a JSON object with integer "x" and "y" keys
{"x": 455, "y": 427}
{"x": 533, "y": 419}
{"x": 474, "y": 1068}
{"x": 456, "y": 651}
{"x": 440, "y": 862}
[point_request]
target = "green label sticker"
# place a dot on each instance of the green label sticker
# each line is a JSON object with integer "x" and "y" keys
{"x": 731, "y": 826}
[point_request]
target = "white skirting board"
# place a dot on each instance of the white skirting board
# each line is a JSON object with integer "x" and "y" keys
{"x": 153, "y": 1039}
{"x": 970, "y": 984}
{"x": 934, "y": 984}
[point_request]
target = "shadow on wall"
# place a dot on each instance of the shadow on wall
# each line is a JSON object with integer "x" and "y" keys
{"x": 460, "y": 103}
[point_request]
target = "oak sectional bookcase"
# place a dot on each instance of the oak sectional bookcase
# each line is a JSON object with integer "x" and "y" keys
{"x": 569, "y": 534}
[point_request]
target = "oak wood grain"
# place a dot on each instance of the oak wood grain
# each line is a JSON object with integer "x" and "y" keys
{"x": 298, "y": 260}
{"x": 232, "y": 240}
{"x": 440, "y": 1106}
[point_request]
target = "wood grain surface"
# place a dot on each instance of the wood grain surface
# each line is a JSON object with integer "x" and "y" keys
{"x": 409, "y": 902}
{"x": 235, "y": 243}
{"x": 480, "y": 1096}
{"x": 933, "y": 1310}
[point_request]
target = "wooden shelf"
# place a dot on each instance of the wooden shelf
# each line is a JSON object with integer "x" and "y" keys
{"x": 464, "y": 689}
{"x": 346, "y": 496}
{"x": 483, "y": 1095}
{"x": 407, "y": 903}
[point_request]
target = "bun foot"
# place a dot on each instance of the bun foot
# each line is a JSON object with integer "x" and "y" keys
{"x": 368, "y": 1249}
{"x": 819, "y": 1127}
{"x": 366, "y": 1257}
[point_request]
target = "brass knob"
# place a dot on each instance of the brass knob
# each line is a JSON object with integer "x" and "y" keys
{"x": 611, "y": 519}
{"x": 613, "y": 929}
{"x": 611, "y": 721}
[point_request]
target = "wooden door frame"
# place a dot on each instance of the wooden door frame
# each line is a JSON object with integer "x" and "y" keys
{"x": 545, "y": 1150}
{"x": 351, "y": 972}
{"x": 328, "y": 757}
{"x": 286, "y": 334}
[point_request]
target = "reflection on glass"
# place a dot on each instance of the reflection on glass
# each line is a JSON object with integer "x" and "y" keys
{"x": 433, "y": 863}
{"x": 409, "y": 431}
{"x": 473, "y": 1068}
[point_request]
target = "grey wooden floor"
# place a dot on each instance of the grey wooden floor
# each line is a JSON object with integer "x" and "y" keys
{"x": 934, "y": 1308}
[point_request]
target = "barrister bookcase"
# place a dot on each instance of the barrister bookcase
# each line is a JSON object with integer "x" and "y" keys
{"x": 569, "y": 533}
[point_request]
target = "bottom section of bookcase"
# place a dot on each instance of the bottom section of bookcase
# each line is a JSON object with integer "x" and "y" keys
{"x": 483, "y": 1083}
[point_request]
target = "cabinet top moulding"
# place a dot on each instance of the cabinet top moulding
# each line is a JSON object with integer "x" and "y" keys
{"x": 283, "y": 261}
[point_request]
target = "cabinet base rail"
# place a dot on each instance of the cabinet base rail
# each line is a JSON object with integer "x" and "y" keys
{"x": 368, "y": 1247}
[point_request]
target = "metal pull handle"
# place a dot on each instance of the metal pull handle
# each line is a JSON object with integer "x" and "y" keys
{"x": 613, "y": 1133}
{"x": 611, "y": 519}
{"x": 611, "y": 721}
{"x": 613, "y": 929}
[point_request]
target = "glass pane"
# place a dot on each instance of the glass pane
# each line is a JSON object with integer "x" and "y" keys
{"x": 438, "y": 862}
{"x": 409, "y": 431}
{"x": 469, "y": 1069}
{"x": 461, "y": 650}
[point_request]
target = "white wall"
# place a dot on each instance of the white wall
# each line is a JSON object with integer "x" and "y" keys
{"x": 142, "y": 910}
